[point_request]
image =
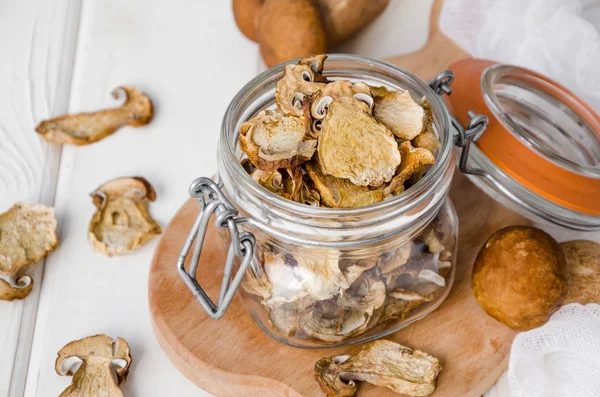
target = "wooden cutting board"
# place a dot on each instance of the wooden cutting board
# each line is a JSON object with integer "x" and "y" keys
{"x": 233, "y": 357}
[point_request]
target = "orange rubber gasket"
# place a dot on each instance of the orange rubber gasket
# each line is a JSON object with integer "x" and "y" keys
{"x": 532, "y": 170}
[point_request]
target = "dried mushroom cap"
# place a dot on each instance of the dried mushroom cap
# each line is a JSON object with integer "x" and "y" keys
{"x": 272, "y": 140}
{"x": 98, "y": 355}
{"x": 27, "y": 234}
{"x": 122, "y": 222}
{"x": 583, "y": 271}
{"x": 286, "y": 285}
{"x": 340, "y": 193}
{"x": 382, "y": 363}
{"x": 299, "y": 82}
{"x": 413, "y": 160}
{"x": 354, "y": 269}
{"x": 323, "y": 320}
{"x": 352, "y": 144}
{"x": 398, "y": 111}
{"x": 86, "y": 128}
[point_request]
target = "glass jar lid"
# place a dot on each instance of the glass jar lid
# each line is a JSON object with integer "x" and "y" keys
{"x": 541, "y": 149}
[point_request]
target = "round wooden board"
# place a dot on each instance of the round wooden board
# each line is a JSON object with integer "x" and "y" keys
{"x": 233, "y": 357}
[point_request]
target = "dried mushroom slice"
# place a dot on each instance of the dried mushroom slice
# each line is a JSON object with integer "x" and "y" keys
{"x": 392, "y": 260}
{"x": 27, "y": 234}
{"x": 323, "y": 321}
{"x": 413, "y": 160}
{"x": 91, "y": 362}
{"x": 286, "y": 285}
{"x": 398, "y": 111}
{"x": 122, "y": 222}
{"x": 352, "y": 144}
{"x": 340, "y": 193}
{"x": 285, "y": 182}
{"x": 321, "y": 277}
{"x": 86, "y": 128}
{"x": 408, "y": 295}
{"x": 382, "y": 363}
{"x": 354, "y": 269}
{"x": 427, "y": 139}
{"x": 299, "y": 82}
{"x": 272, "y": 140}
{"x": 365, "y": 295}
{"x": 398, "y": 309}
{"x": 308, "y": 194}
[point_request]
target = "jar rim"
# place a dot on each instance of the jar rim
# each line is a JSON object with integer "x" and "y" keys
{"x": 411, "y": 198}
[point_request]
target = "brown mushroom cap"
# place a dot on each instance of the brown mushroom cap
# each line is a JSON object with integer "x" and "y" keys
{"x": 520, "y": 277}
{"x": 583, "y": 267}
{"x": 246, "y": 14}
{"x": 289, "y": 29}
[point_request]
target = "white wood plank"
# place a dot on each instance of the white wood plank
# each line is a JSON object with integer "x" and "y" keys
{"x": 190, "y": 58}
{"x": 37, "y": 50}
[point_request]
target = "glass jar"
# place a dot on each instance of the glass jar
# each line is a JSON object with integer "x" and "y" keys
{"x": 322, "y": 277}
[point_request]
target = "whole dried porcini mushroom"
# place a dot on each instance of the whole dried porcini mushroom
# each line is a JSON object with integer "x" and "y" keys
{"x": 86, "y": 128}
{"x": 340, "y": 193}
{"x": 289, "y": 29}
{"x": 352, "y": 144}
{"x": 413, "y": 160}
{"x": 343, "y": 19}
{"x": 27, "y": 234}
{"x": 382, "y": 363}
{"x": 299, "y": 83}
{"x": 272, "y": 140}
{"x": 99, "y": 357}
{"x": 122, "y": 222}
{"x": 583, "y": 271}
{"x": 246, "y": 14}
{"x": 398, "y": 111}
{"x": 520, "y": 277}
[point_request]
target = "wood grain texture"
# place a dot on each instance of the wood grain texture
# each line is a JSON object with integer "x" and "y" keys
{"x": 233, "y": 357}
{"x": 181, "y": 54}
{"x": 37, "y": 53}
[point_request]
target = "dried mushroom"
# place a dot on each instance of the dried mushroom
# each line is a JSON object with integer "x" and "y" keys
{"x": 299, "y": 82}
{"x": 122, "y": 222}
{"x": 382, "y": 363}
{"x": 365, "y": 295}
{"x": 272, "y": 140}
{"x": 398, "y": 309}
{"x": 322, "y": 277}
{"x": 27, "y": 234}
{"x": 285, "y": 183}
{"x": 340, "y": 193}
{"x": 398, "y": 111}
{"x": 352, "y": 144}
{"x": 98, "y": 366}
{"x": 392, "y": 260}
{"x": 413, "y": 160}
{"x": 86, "y": 128}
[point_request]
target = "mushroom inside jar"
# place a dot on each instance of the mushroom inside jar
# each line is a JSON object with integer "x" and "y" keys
{"x": 343, "y": 144}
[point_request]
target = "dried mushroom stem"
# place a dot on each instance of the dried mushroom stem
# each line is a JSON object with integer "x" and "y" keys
{"x": 382, "y": 363}
{"x": 98, "y": 355}
{"x": 122, "y": 222}
{"x": 27, "y": 234}
{"x": 86, "y": 128}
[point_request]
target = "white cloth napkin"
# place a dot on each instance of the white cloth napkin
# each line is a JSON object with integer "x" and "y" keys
{"x": 559, "y": 359}
{"x": 558, "y": 38}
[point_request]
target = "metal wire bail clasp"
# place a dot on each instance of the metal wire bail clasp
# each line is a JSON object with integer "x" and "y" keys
{"x": 465, "y": 136}
{"x": 212, "y": 200}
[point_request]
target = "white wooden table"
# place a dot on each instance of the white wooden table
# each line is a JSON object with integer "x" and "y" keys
{"x": 66, "y": 56}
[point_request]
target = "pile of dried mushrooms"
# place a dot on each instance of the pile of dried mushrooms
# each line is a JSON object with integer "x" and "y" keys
{"x": 342, "y": 144}
{"x": 339, "y": 143}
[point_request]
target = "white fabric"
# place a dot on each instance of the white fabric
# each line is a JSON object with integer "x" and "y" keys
{"x": 559, "y": 359}
{"x": 558, "y": 38}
